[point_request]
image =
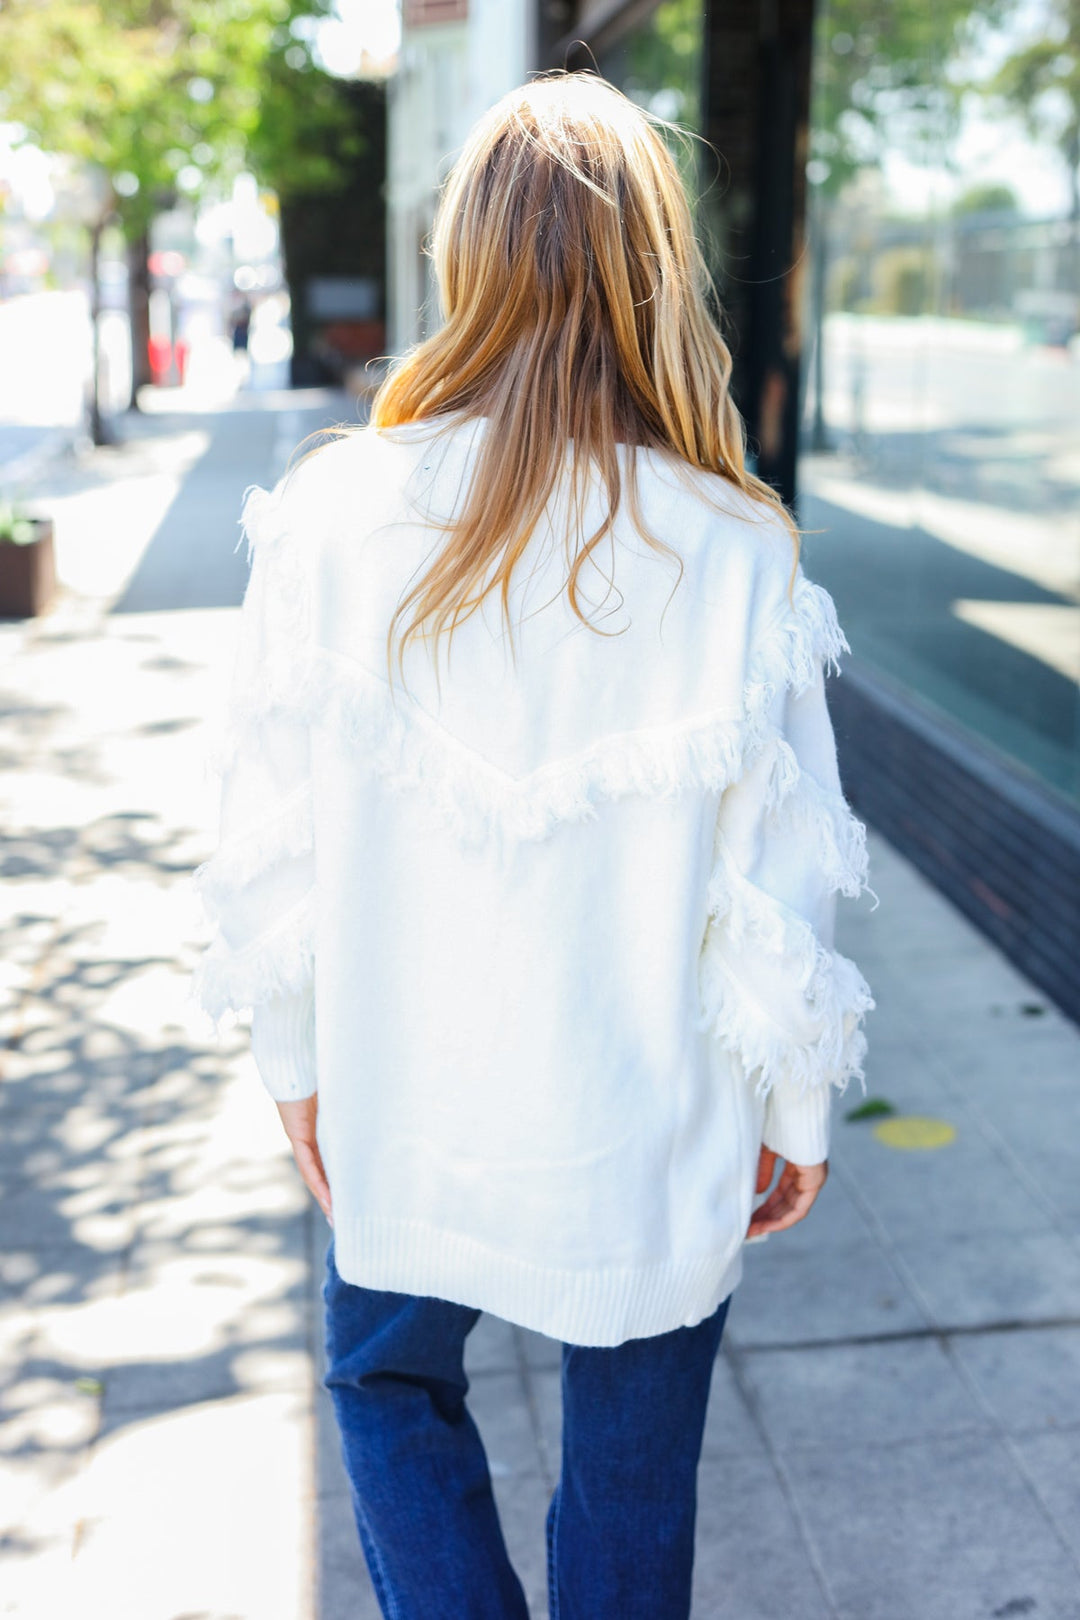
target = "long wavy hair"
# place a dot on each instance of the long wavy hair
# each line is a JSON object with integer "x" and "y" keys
{"x": 576, "y": 307}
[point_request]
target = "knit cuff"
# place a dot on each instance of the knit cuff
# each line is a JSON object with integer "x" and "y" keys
{"x": 796, "y": 1124}
{"x": 283, "y": 1044}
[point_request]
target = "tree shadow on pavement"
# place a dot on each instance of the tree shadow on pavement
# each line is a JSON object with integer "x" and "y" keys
{"x": 153, "y": 1252}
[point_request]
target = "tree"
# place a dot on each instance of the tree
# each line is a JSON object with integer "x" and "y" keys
{"x": 1042, "y": 80}
{"x": 883, "y": 79}
{"x": 988, "y": 197}
{"x": 664, "y": 62}
{"x": 165, "y": 98}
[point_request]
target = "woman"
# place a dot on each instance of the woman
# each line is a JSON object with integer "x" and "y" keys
{"x": 532, "y": 833}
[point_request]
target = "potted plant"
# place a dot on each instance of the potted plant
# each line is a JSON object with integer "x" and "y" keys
{"x": 27, "y": 564}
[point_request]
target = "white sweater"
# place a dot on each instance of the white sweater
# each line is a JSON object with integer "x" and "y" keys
{"x": 553, "y": 940}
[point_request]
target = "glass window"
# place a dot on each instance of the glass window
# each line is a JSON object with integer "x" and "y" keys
{"x": 940, "y": 465}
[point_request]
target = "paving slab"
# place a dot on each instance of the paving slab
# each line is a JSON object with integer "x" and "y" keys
{"x": 845, "y": 1290}
{"x": 227, "y": 1471}
{"x": 492, "y": 1346}
{"x": 906, "y": 1191}
{"x": 733, "y": 1426}
{"x": 931, "y": 1530}
{"x": 499, "y": 1403}
{"x": 538, "y": 1350}
{"x": 1002, "y": 1058}
{"x": 973, "y": 1279}
{"x": 1050, "y": 1462}
{"x": 1042, "y": 1151}
{"x": 522, "y": 1501}
{"x": 344, "y": 1590}
{"x": 752, "y": 1560}
{"x": 861, "y": 1394}
{"x": 1030, "y": 1380}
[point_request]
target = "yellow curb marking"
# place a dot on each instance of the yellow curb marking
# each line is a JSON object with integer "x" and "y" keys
{"x": 915, "y": 1131}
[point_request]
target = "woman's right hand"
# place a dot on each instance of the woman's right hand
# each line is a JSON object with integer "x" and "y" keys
{"x": 299, "y": 1119}
{"x": 792, "y": 1196}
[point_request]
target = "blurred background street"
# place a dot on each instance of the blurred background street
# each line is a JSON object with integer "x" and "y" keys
{"x": 200, "y": 264}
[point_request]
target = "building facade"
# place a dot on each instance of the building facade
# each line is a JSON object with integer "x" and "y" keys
{"x": 889, "y": 196}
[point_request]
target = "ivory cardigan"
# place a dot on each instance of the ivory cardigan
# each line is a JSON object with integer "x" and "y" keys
{"x": 549, "y": 929}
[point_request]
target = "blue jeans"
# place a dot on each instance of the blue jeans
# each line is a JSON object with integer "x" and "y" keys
{"x": 620, "y": 1528}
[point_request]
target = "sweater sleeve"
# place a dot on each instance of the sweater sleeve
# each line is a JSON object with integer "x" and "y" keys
{"x": 777, "y": 992}
{"x": 258, "y": 887}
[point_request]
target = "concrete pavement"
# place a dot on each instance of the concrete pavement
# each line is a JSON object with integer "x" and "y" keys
{"x": 895, "y": 1423}
{"x": 155, "y": 1415}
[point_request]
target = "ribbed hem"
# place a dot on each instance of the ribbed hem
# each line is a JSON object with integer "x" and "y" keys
{"x": 283, "y": 1044}
{"x": 796, "y": 1124}
{"x": 597, "y": 1307}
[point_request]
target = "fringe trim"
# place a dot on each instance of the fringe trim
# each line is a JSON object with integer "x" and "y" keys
{"x": 240, "y": 860}
{"x": 475, "y": 799}
{"x": 409, "y": 748}
{"x": 262, "y": 517}
{"x": 804, "y": 637}
{"x": 823, "y": 821}
{"x": 837, "y": 993}
{"x": 280, "y": 962}
{"x": 769, "y": 1055}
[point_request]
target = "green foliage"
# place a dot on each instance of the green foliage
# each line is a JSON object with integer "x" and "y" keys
{"x": 992, "y": 196}
{"x": 158, "y": 95}
{"x": 883, "y": 79}
{"x": 665, "y": 55}
{"x": 872, "y": 1108}
{"x": 16, "y": 528}
{"x": 903, "y": 280}
{"x": 1042, "y": 81}
{"x": 307, "y": 139}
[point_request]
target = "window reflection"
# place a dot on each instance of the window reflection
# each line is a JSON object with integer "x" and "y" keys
{"x": 941, "y": 454}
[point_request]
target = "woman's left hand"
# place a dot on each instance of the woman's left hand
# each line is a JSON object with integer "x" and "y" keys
{"x": 791, "y": 1198}
{"x": 298, "y": 1118}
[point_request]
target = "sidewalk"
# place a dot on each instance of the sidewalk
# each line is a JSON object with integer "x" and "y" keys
{"x": 896, "y": 1416}
{"x": 155, "y": 1352}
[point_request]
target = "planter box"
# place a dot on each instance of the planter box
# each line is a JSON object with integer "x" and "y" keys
{"x": 27, "y": 574}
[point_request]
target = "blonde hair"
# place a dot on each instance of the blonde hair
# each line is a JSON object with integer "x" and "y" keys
{"x": 575, "y": 304}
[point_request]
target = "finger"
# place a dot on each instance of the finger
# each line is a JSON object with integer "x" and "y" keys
{"x": 767, "y": 1214}
{"x": 767, "y": 1211}
{"x": 780, "y": 1200}
{"x": 793, "y": 1207}
{"x": 310, "y": 1165}
{"x": 766, "y": 1166}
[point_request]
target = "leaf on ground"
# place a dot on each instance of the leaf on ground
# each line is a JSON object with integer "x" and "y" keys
{"x": 870, "y": 1109}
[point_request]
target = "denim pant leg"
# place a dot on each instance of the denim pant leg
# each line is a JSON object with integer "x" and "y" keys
{"x": 621, "y": 1523}
{"x": 418, "y": 1475}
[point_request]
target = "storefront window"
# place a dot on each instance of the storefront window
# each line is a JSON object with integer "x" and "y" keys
{"x": 940, "y": 468}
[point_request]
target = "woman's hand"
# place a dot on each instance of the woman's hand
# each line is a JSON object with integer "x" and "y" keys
{"x": 298, "y": 1119}
{"x": 792, "y": 1196}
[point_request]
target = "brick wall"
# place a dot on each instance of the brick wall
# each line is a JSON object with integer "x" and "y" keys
{"x": 994, "y": 841}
